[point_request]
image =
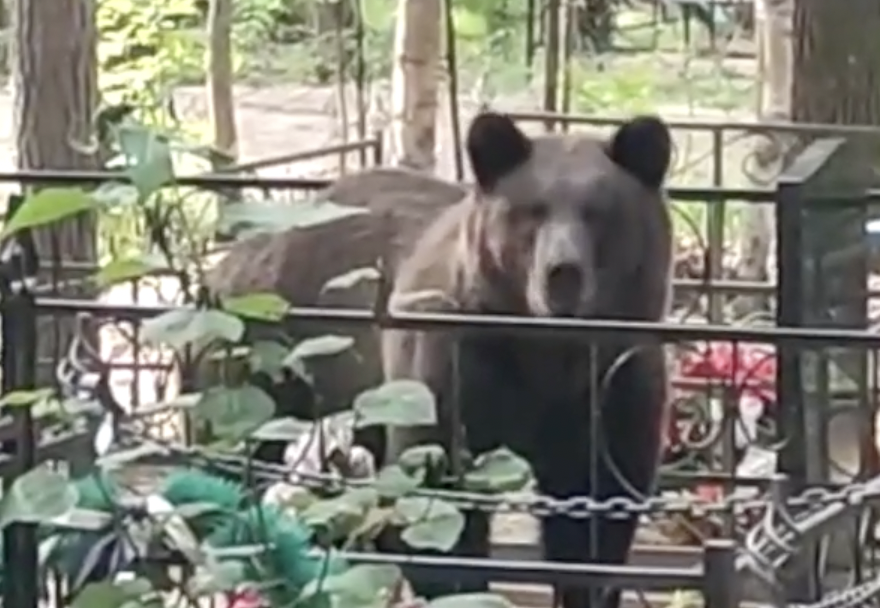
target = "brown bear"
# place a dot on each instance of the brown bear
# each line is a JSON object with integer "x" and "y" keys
{"x": 565, "y": 226}
{"x": 297, "y": 263}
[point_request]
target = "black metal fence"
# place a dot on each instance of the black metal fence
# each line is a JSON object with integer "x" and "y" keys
{"x": 820, "y": 340}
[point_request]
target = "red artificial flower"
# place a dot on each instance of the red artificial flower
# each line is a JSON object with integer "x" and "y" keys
{"x": 747, "y": 368}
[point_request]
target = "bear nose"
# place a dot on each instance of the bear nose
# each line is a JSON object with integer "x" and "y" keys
{"x": 564, "y": 281}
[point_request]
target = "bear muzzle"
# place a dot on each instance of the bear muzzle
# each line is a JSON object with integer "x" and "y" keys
{"x": 565, "y": 289}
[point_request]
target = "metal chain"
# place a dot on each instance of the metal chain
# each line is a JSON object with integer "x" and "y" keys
{"x": 578, "y": 507}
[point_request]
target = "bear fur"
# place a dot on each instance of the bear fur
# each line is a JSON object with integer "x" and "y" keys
{"x": 297, "y": 263}
{"x": 571, "y": 226}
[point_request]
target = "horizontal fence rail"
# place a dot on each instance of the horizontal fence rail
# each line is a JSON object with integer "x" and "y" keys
{"x": 497, "y": 324}
{"x": 715, "y": 571}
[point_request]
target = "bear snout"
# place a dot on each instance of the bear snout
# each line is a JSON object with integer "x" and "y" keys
{"x": 565, "y": 284}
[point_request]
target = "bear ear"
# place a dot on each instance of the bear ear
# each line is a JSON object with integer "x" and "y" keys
{"x": 495, "y": 146}
{"x": 643, "y": 146}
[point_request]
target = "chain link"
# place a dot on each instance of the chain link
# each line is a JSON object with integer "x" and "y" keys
{"x": 577, "y": 507}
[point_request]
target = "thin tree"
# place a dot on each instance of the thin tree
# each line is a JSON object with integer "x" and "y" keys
{"x": 774, "y": 49}
{"x": 415, "y": 82}
{"x": 221, "y": 103}
{"x": 55, "y": 83}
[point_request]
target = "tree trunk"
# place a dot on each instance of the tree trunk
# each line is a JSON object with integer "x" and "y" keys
{"x": 773, "y": 37}
{"x": 836, "y": 62}
{"x": 330, "y": 18}
{"x": 415, "y": 82}
{"x": 221, "y": 103}
{"x": 836, "y": 79}
{"x": 55, "y": 71}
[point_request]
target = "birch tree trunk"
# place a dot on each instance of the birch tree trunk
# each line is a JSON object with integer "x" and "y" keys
{"x": 415, "y": 82}
{"x": 755, "y": 239}
{"x": 221, "y": 103}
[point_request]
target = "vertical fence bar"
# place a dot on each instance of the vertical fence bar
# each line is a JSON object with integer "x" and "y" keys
{"x": 789, "y": 313}
{"x": 790, "y": 417}
{"x": 720, "y": 579}
{"x": 812, "y": 199}
{"x": 18, "y": 359}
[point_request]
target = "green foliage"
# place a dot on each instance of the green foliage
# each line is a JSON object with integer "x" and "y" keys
{"x": 429, "y": 523}
{"x": 94, "y": 529}
{"x": 147, "y": 47}
{"x": 396, "y": 403}
{"x": 38, "y": 496}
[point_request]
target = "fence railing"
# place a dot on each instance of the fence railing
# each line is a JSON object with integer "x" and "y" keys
{"x": 821, "y": 251}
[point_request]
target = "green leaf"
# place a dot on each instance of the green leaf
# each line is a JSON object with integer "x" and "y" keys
{"x": 47, "y": 206}
{"x": 322, "y": 346}
{"x": 25, "y": 397}
{"x": 339, "y": 515}
{"x": 183, "y": 326}
{"x": 423, "y": 457}
{"x": 283, "y": 429}
{"x": 358, "y": 586}
{"x": 393, "y": 482}
{"x": 268, "y": 357}
{"x": 352, "y": 278}
{"x": 38, "y": 496}
{"x": 108, "y": 594}
{"x": 498, "y": 471}
{"x": 432, "y": 523}
{"x": 264, "y": 306}
{"x": 396, "y": 403}
{"x": 234, "y": 413}
{"x": 247, "y": 219}
{"x": 128, "y": 269}
{"x": 471, "y": 600}
{"x": 149, "y": 156}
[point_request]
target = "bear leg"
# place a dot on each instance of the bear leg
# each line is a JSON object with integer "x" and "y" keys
{"x": 632, "y": 414}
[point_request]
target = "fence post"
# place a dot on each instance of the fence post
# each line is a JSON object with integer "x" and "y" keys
{"x": 790, "y": 313}
{"x": 822, "y": 268}
{"x": 18, "y": 360}
{"x": 790, "y": 417}
{"x": 720, "y": 579}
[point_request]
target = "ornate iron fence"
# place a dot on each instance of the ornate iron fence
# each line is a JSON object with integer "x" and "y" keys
{"x": 821, "y": 202}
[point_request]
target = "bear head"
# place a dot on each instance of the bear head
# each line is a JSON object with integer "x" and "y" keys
{"x": 567, "y": 225}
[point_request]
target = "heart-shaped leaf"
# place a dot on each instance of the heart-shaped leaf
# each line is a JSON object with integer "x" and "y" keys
{"x": 235, "y": 412}
{"x": 128, "y": 269}
{"x": 396, "y": 403}
{"x": 432, "y": 523}
{"x": 393, "y": 482}
{"x": 38, "y": 496}
{"x": 184, "y": 326}
{"x": 498, "y": 471}
{"x": 265, "y": 306}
